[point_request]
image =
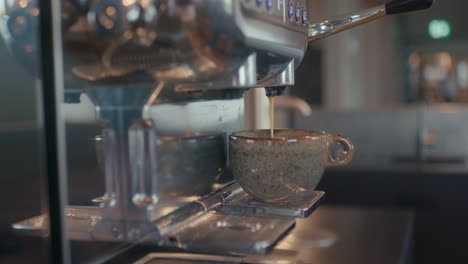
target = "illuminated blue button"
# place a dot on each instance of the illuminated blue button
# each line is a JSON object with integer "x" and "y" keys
{"x": 298, "y": 12}
{"x": 269, "y": 4}
{"x": 291, "y": 10}
{"x": 259, "y": 2}
{"x": 304, "y": 15}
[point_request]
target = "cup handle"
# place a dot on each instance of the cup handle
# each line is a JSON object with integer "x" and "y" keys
{"x": 348, "y": 150}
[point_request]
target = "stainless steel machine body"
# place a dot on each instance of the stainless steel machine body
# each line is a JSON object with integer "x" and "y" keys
{"x": 153, "y": 69}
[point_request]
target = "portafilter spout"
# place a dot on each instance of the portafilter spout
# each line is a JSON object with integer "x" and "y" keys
{"x": 326, "y": 28}
{"x": 275, "y": 91}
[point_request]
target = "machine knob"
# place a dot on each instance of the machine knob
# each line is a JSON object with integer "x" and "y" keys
{"x": 113, "y": 18}
{"x": 298, "y": 12}
{"x": 20, "y": 26}
{"x": 291, "y": 10}
{"x": 305, "y": 16}
{"x": 142, "y": 15}
{"x": 108, "y": 18}
{"x": 142, "y": 18}
{"x": 19, "y": 19}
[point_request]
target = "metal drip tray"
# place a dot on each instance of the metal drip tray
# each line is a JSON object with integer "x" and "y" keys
{"x": 216, "y": 232}
{"x": 277, "y": 256}
{"x": 182, "y": 258}
{"x": 227, "y": 222}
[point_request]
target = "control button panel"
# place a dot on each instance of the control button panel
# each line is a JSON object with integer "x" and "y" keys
{"x": 286, "y": 12}
{"x": 269, "y": 4}
{"x": 305, "y": 16}
{"x": 291, "y": 10}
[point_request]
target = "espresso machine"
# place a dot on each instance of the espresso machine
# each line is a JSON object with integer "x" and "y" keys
{"x": 167, "y": 79}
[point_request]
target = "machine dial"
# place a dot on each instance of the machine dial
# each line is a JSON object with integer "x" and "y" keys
{"x": 269, "y": 4}
{"x": 304, "y": 16}
{"x": 291, "y": 10}
{"x": 108, "y": 18}
{"x": 298, "y": 12}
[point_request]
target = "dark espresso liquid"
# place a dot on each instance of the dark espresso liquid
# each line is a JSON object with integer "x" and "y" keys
{"x": 272, "y": 116}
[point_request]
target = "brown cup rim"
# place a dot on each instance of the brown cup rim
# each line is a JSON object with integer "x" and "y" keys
{"x": 313, "y": 134}
{"x": 191, "y": 136}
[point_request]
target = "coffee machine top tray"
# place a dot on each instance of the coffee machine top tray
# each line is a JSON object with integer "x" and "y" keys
{"x": 247, "y": 204}
{"x": 244, "y": 225}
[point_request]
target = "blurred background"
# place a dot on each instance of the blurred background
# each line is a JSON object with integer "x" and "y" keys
{"x": 398, "y": 87}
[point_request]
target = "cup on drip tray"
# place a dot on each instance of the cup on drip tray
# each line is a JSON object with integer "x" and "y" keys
{"x": 288, "y": 166}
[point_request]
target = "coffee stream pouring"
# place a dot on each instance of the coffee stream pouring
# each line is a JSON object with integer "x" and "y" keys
{"x": 198, "y": 53}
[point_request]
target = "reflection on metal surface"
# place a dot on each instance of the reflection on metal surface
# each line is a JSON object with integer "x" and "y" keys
{"x": 190, "y": 164}
{"x": 185, "y": 214}
{"x": 314, "y": 238}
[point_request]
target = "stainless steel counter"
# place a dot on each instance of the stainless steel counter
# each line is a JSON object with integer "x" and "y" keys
{"x": 335, "y": 235}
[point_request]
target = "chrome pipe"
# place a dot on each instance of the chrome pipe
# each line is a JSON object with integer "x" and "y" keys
{"x": 326, "y": 28}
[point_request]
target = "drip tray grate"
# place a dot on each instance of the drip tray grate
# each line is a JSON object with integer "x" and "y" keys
{"x": 246, "y": 204}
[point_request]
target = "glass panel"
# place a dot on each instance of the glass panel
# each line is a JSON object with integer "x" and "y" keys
{"x": 136, "y": 118}
{"x": 136, "y": 147}
{"x": 102, "y": 218}
{"x": 22, "y": 178}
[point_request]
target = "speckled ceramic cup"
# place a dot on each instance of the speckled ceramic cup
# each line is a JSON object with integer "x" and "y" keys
{"x": 288, "y": 167}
